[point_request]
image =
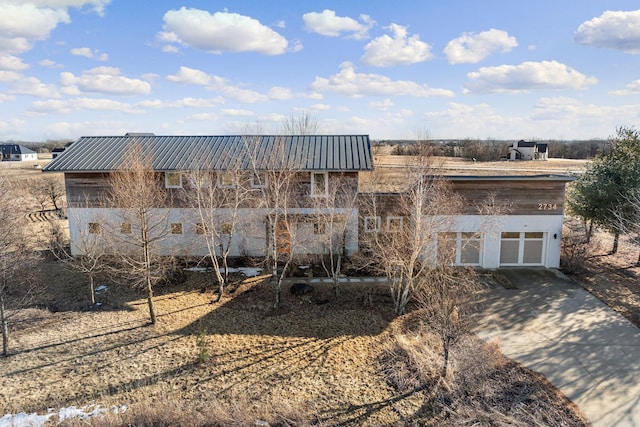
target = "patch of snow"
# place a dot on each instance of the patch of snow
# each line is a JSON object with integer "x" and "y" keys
{"x": 198, "y": 269}
{"x": 34, "y": 419}
{"x": 101, "y": 288}
{"x": 304, "y": 267}
{"x": 247, "y": 271}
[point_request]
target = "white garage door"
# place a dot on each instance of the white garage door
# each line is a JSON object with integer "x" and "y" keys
{"x": 460, "y": 248}
{"x": 522, "y": 248}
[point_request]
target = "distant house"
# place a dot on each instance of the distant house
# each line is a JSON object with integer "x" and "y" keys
{"x": 524, "y": 150}
{"x": 17, "y": 153}
{"x": 527, "y": 232}
{"x": 56, "y": 152}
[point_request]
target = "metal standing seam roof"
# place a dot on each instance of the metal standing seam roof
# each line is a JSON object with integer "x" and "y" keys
{"x": 260, "y": 152}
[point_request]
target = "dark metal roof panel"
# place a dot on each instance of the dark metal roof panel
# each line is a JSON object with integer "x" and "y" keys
{"x": 262, "y": 152}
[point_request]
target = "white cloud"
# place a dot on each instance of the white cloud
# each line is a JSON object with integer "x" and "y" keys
{"x": 280, "y": 93}
{"x": 187, "y": 102}
{"x": 525, "y": 77}
{"x": 75, "y": 104}
{"x": 4, "y": 97}
{"x": 321, "y": 107}
{"x": 472, "y": 48}
{"x": 105, "y": 80}
{"x": 192, "y": 76}
{"x": 387, "y": 51}
{"x": 220, "y": 32}
{"x": 25, "y": 22}
{"x": 50, "y": 64}
{"x": 613, "y": 29}
{"x": 33, "y": 87}
{"x": 88, "y": 53}
{"x": 632, "y": 88}
{"x": 349, "y": 83}
{"x": 9, "y": 76}
{"x": 382, "y": 105}
{"x": 330, "y": 25}
{"x": 232, "y": 112}
{"x": 201, "y": 117}
{"x": 12, "y": 63}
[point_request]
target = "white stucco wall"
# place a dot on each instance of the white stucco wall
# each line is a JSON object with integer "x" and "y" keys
{"x": 248, "y": 239}
{"x": 491, "y": 228}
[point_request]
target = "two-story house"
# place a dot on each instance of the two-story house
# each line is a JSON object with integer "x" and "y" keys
{"x": 312, "y": 165}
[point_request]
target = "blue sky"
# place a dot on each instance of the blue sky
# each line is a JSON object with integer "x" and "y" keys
{"x": 456, "y": 69}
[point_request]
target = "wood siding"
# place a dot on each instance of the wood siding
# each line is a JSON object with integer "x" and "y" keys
{"x": 89, "y": 189}
{"x": 514, "y": 197}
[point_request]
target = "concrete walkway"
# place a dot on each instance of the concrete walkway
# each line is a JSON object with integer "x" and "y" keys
{"x": 555, "y": 327}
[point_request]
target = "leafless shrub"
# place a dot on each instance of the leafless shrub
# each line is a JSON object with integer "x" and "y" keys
{"x": 576, "y": 247}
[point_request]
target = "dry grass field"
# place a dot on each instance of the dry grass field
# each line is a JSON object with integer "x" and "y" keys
{"x": 315, "y": 361}
{"x": 312, "y": 362}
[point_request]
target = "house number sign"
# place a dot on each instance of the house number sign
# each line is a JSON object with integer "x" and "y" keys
{"x": 547, "y": 206}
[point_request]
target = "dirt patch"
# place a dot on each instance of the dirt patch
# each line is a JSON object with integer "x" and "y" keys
{"x": 614, "y": 278}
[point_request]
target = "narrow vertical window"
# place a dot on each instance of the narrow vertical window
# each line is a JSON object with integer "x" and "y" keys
{"x": 319, "y": 184}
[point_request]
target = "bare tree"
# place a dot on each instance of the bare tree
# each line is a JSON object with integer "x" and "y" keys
{"x": 335, "y": 218}
{"x": 137, "y": 223}
{"x": 399, "y": 227}
{"x": 276, "y": 178}
{"x": 217, "y": 199}
{"x": 300, "y": 124}
{"x": 47, "y": 192}
{"x": 18, "y": 262}
{"x": 88, "y": 256}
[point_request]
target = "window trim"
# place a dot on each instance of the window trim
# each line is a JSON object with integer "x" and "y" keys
{"x": 95, "y": 228}
{"x": 219, "y": 182}
{"x": 166, "y": 179}
{"x": 262, "y": 183}
{"x": 378, "y": 226}
{"x": 393, "y": 218}
{"x": 313, "y": 184}
{"x": 176, "y": 228}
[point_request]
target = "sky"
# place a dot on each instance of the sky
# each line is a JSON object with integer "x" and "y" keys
{"x": 491, "y": 69}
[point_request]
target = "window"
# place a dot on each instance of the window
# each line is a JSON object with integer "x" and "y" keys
{"x": 522, "y": 248}
{"x": 201, "y": 228}
{"x": 372, "y": 224}
{"x": 460, "y": 248}
{"x": 319, "y": 228}
{"x": 226, "y": 180}
{"x": 227, "y": 228}
{"x": 125, "y": 228}
{"x": 176, "y": 228}
{"x": 95, "y": 228}
{"x": 173, "y": 179}
{"x": 259, "y": 180}
{"x": 319, "y": 181}
{"x": 394, "y": 223}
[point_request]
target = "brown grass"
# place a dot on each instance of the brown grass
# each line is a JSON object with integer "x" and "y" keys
{"x": 306, "y": 363}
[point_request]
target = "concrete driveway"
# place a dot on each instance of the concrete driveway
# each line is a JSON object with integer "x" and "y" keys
{"x": 555, "y": 327}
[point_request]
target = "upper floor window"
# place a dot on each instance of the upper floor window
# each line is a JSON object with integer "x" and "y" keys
{"x": 319, "y": 184}
{"x": 259, "y": 180}
{"x": 372, "y": 223}
{"x": 173, "y": 179}
{"x": 394, "y": 223}
{"x": 95, "y": 228}
{"x": 226, "y": 180}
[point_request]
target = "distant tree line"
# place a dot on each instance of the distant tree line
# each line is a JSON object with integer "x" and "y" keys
{"x": 491, "y": 149}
